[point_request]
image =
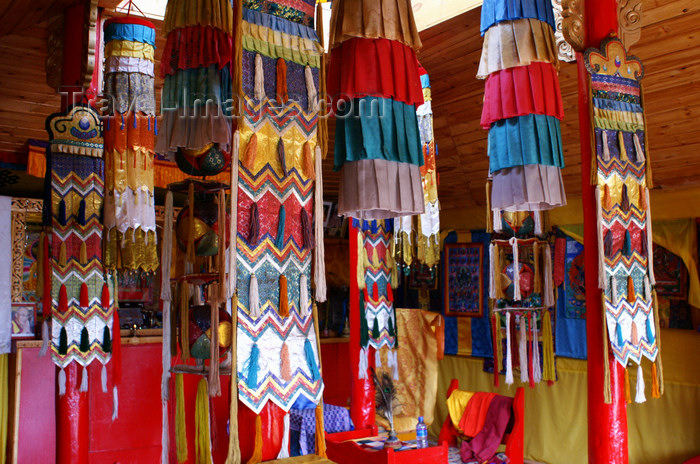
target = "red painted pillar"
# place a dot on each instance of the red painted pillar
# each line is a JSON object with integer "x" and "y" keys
{"x": 72, "y": 415}
{"x": 607, "y": 423}
{"x": 362, "y": 393}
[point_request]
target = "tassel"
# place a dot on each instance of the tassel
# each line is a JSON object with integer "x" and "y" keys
{"x": 282, "y": 96}
{"x": 640, "y": 397}
{"x": 548, "y": 370}
{"x": 254, "y": 228}
{"x": 375, "y": 292}
{"x": 251, "y": 150}
{"x": 625, "y": 199}
{"x": 285, "y": 369}
{"x": 628, "y": 396}
{"x": 311, "y": 93}
{"x": 642, "y": 198}
{"x": 106, "y": 340}
{"x": 650, "y": 333}
{"x": 509, "y": 354}
{"x": 522, "y": 348}
{"x": 180, "y": 427}
{"x": 63, "y": 342}
{"x": 492, "y": 271}
{"x": 639, "y": 152}
{"x": 499, "y": 253}
{"x": 62, "y": 260}
{"x": 81, "y": 213}
{"x": 375, "y": 329}
{"x": 115, "y": 403}
{"x": 284, "y": 449}
{"x": 377, "y": 359}
{"x": 61, "y": 382}
{"x": 105, "y": 296}
{"x": 497, "y": 221}
{"x": 45, "y": 338}
{"x": 618, "y": 334}
{"x": 393, "y": 363}
{"x": 627, "y": 245}
{"x": 62, "y": 217}
{"x": 103, "y": 378}
{"x": 390, "y": 328}
{"x": 389, "y": 292}
{"x": 631, "y": 294}
{"x": 549, "y": 300}
{"x": 83, "y": 254}
{"x": 364, "y": 327}
{"x": 635, "y": 334}
{"x": 284, "y": 297}
{"x": 647, "y": 290}
{"x": 363, "y": 364}
{"x": 608, "y": 244}
{"x": 251, "y": 378}
{"x": 538, "y": 222}
{"x": 375, "y": 258}
{"x": 259, "y": 89}
{"x": 599, "y": 228}
{"x": 306, "y": 232}
{"x": 536, "y": 367}
{"x": 84, "y": 340}
{"x": 654, "y": 382}
{"x": 621, "y": 142}
{"x": 516, "y": 269}
{"x": 202, "y": 433}
{"x": 319, "y": 253}
{"x": 613, "y": 292}
{"x": 360, "y": 261}
{"x": 84, "y": 381}
{"x": 308, "y": 161}
{"x": 606, "y": 147}
{"x": 303, "y": 296}
{"x": 311, "y": 360}
{"x": 84, "y": 298}
{"x": 282, "y": 157}
{"x": 257, "y": 447}
{"x": 254, "y": 297}
{"x": 607, "y": 198}
{"x": 279, "y": 243}
{"x": 320, "y": 431}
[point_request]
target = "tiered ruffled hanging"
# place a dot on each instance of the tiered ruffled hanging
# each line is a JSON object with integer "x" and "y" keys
{"x": 129, "y": 131}
{"x": 197, "y": 85}
{"x": 82, "y": 292}
{"x": 374, "y": 85}
{"x": 522, "y": 105}
{"x": 623, "y": 180}
{"x": 417, "y": 238}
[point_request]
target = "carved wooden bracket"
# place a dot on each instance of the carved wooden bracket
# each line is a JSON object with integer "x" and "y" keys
{"x": 564, "y": 49}
{"x": 629, "y": 19}
{"x": 573, "y": 24}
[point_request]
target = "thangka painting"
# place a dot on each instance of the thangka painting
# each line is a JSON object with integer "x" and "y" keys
{"x": 279, "y": 167}
{"x": 463, "y": 284}
{"x": 623, "y": 179}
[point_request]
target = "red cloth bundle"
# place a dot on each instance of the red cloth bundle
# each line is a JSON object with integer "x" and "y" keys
{"x": 375, "y": 67}
{"x": 532, "y": 89}
{"x": 195, "y": 47}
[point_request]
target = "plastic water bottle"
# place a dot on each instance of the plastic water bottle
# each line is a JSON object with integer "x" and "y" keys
{"x": 421, "y": 434}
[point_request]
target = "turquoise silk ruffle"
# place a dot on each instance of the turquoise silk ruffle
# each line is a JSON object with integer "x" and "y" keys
{"x": 130, "y": 32}
{"x": 496, "y": 11}
{"x": 524, "y": 140}
{"x": 378, "y": 129}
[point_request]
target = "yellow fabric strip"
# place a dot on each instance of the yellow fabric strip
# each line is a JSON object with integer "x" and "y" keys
{"x": 620, "y": 116}
{"x": 456, "y": 404}
{"x": 131, "y": 169}
{"x": 215, "y": 13}
{"x": 128, "y": 48}
{"x": 612, "y": 124}
{"x": 278, "y": 51}
{"x": 464, "y": 336}
{"x": 307, "y": 50}
{"x": 130, "y": 250}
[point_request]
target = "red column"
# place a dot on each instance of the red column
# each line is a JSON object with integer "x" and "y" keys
{"x": 72, "y": 431}
{"x": 607, "y": 423}
{"x": 362, "y": 393}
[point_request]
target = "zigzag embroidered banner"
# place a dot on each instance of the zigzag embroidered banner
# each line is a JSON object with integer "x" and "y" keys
{"x": 623, "y": 179}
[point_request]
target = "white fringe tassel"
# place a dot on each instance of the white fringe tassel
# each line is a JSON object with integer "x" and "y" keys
{"x": 303, "y": 295}
{"x": 548, "y": 278}
{"x": 363, "y": 364}
{"x": 536, "y": 368}
{"x": 516, "y": 269}
{"x": 492, "y": 271}
{"x": 639, "y": 397}
{"x": 497, "y": 222}
{"x": 522, "y": 348}
{"x": 103, "y": 378}
{"x": 320, "y": 251}
{"x": 284, "y": 450}
{"x": 84, "y": 380}
{"x": 311, "y": 92}
{"x": 601, "y": 244}
{"x": 393, "y": 363}
{"x": 606, "y": 148}
{"x": 538, "y": 222}
{"x": 45, "y": 339}
{"x": 613, "y": 290}
{"x": 377, "y": 359}
{"x": 509, "y": 354}
{"x": 647, "y": 289}
{"x": 638, "y": 149}
{"x": 259, "y": 78}
{"x": 61, "y": 382}
{"x": 254, "y": 297}
{"x": 164, "y": 436}
{"x": 115, "y": 403}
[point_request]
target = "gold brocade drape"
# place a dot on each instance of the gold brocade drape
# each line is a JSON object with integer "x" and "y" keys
{"x": 214, "y": 13}
{"x": 418, "y": 368}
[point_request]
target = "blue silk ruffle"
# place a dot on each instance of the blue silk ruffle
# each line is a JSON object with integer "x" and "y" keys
{"x": 130, "y": 32}
{"x": 530, "y": 139}
{"x": 279, "y": 24}
{"x": 495, "y": 11}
